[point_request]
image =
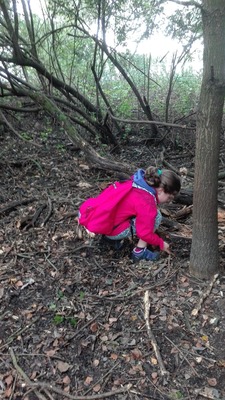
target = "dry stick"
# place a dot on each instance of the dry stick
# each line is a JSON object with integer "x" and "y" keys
{"x": 164, "y": 372}
{"x": 15, "y": 132}
{"x": 36, "y": 215}
{"x": 23, "y": 375}
{"x": 15, "y": 204}
{"x": 49, "y": 212}
{"x": 185, "y": 358}
{"x": 164, "y": 264}
{"x": 103, "y": 378}
{"x": 131, "y": 121}
{"x": 205, "y": 294}
{"x": 13, "y": 387}
{"x": 18, "y": 332}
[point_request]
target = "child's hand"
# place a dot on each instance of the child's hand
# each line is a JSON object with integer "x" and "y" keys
{"x": 166, "y": 248}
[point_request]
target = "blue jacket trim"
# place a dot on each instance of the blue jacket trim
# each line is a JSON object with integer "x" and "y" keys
{"x": 139, "y": 180}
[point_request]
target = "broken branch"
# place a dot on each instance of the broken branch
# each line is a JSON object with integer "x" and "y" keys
{"x": 164, "y": 372}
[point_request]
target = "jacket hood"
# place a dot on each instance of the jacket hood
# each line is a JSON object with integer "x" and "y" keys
{"x": 139, "y": 180}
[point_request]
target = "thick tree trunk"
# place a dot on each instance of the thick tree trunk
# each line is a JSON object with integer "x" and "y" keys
{"x": 204, "y": 260}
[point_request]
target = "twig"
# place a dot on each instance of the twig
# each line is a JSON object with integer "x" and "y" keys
{"x": 15, "y": 204}
{"x": 18, "y": 332}
{"x": 13, "y": 388}
{"x": 205, "y": 294}
{"x": 164, "y": 372}
{"x": 15, "y": 132}
{"x": 49, "y": 212}
{"x": 43, "y": 385}
{"x": 185, "y": 358}
{"x": 24, "y": 376}
{"x": 131, "y": 121}
{"x": 164, "y": 264}
{"x": 80, "y": 330}
{"x": 103, "y": 378}
{"x": 36, "y": 215}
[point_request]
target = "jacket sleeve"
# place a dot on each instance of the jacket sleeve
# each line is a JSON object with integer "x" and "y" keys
{"x": 146, "y": 211}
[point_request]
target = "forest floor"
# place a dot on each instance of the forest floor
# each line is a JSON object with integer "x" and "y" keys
{"x": 75, "y": 321}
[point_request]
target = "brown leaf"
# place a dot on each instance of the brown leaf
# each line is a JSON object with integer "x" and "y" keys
{"x": 50, "y": 353}
{"x": 94, "y": 327}
{"x": 212, "y": 381}
{"x": 112, "y": 320}
{"x": 88, "y": 380}
{"x": 114, "y": 356}
{"x": 63, "y": 366}
{"x": 96, "y": 388}
{"x": 33, "y": 375}
{"x": 19, "y": 284}
{"x": 136, "y": 354}
{"x": 8, "y": 380}
{"x": 8, "y": 392}
{"x": 66, "y": 380}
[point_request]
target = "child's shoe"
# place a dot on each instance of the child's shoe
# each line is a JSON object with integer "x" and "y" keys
{"x": 144, "y": 254}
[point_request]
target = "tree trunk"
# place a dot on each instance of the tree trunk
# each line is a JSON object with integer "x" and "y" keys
{"x": 204, "y": 259}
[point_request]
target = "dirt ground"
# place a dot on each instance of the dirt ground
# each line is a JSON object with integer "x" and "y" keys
{"x": 79, "y": 320}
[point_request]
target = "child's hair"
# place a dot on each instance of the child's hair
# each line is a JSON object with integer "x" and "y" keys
{"x": 164, "y": 178}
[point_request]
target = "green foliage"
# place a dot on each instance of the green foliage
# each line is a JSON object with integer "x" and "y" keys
{"x": 58, "y": 319}
{"x": 26, "y": 136}
{"x": 61, "y": 309}
{"x": 69, "y": 45}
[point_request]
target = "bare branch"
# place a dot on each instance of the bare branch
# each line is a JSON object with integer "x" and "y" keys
{"x": 131, "y": 121}
{"x": 187, "y": 3}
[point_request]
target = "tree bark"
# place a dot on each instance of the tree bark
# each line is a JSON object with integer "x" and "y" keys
{"x": 204, "y": 259}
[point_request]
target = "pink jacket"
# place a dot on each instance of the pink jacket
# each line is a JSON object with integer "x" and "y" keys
{"x": 112, "y": 215}
{"x": 142, "y": 205}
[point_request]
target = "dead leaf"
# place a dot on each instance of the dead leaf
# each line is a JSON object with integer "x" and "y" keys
{"x": 114, "y": 356}
{"x": 88, "y": 380}
{"x": 104, "y": 338}
{"x": 112, "y": 320}
{"x": 66, "y": 380}
{"x": 19, "y": 284}
{"x": 94, "y": 327}
{"x": 8, "y": 392}
{"x": 221, "y": 363}
{"x": 33, "y": 375}
{"x": 212, "y": 381}
{"x": 84, "y": 185}
{"x": 154, "y": 361}
{"x": 136, "y": 354}
{"x": 63, "y": 366}
{"x": 8, "y": 380}
{"x": 84, "y": 166}
{"x": 50, "y": 353}
{"x": 96, "y": 388}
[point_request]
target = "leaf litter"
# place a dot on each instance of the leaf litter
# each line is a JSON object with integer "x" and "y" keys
{"x": 78, "y": 319}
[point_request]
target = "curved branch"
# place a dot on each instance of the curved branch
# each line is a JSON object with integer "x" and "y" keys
{"x": 140, "y": 121}
{"x": 188, "y": 3}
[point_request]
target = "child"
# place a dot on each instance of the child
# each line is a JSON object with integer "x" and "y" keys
{"x": 130, "y": 208}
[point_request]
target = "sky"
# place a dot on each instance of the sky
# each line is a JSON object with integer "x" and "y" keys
{"x": 158, "y": 45}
